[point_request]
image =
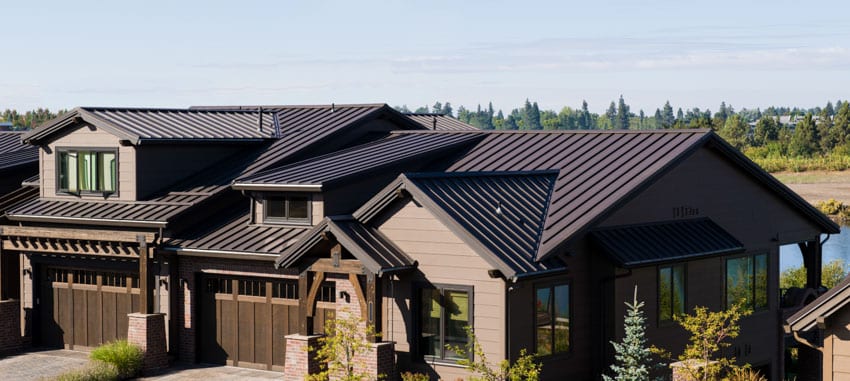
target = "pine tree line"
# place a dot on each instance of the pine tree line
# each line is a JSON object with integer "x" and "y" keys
{"x": 29, "y": 119}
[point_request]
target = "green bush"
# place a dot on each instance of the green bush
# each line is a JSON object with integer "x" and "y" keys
{"x": 94, "y": 371}
{"x": 409, "y": 376}
{"x": 125, "y": 357}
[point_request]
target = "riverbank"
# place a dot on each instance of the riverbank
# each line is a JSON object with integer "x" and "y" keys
{"x": 815, "y": 186}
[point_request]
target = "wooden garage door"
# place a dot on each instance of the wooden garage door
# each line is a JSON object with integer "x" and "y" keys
{"x": 244, "y": 321}
{"x": 81, "y": 309}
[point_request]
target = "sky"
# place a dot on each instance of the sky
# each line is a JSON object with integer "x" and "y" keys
{"x": 182, "y": 53}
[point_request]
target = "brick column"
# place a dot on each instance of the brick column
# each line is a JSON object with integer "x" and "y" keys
{"x": 300, "y": 357}
{"x": 148, "y": 332}
{"x": 381, "y": 360}
{"x": 10, "y": 326}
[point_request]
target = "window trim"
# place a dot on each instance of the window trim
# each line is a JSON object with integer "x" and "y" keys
{"x": 58, "y": 151}
{"x": 418, "y": 287}
{"x": 666, "y": 323}
{"x": 551, "y": 285}
{"x": 286, "y": 220}
{"x": 752, "y": 255}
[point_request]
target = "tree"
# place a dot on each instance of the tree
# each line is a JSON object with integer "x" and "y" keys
{"x": 841, "y": 124}
{"x": 804, "y": 141}
{"x": 667, "y": 118}
{"x": 611, "y": 117}
{"x": 447, "y": 109}
{"x": 735, "y": 131}
{"x": 422, "y": 110}
{"x": 767, "y": 130}
{"x": 659, "y": 120}
{"x": 437, "y": 108}
{"x": 338, "y": 352}
{"x": 709, "y": 334}
{"x": 632, "y": 354}
{"x": 831, "y": 274}
{"x": 584, "y": 120}
{"x": 525, "y": 368}
{"x": 622, "y": 114}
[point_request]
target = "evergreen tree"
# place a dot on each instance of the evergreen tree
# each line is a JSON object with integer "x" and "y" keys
{"x": 827, "y": 139}
{"x": 584, "y": 120}
{"x": 437, "y": 108}
{"x": 422, "y": 110}
{"x": 447, "y": 109}
{"x": 632, "y": 355}
{"x": 667, "y": 116}
{"x": 680, "y": 115}
{"x": 659, "y": 120}
{"x": 535, "y": 117}
{"x": 804, "y": 141}
{"x": 641, "y": 120}
{"x": 622, "y": 114}
{"x": 735, "y": 131}
{"x": 767, "y": 130}
{"x": 841, "y": 124}
{"x": 611, "y": 117}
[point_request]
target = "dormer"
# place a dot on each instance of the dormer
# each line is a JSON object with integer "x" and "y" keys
{"x": 131, "y": 154}
{"x": 287, "y": 208}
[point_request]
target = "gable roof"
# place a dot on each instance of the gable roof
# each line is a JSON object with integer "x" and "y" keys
{"x": 664, "y": 242}
{"x": 315, "y": 173}
{"x": 600, "y": 170}
{"x": 440, "y": 122}
{"x": 136, "y": 125}
{"x": 377, "y": 253}
{"x": 824, "y": 306}
{"x": 302, "y": 129}
{"x": 500, "y": 215}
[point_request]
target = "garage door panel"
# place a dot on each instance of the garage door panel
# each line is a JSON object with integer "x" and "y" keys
{"x": 94, "y": 313}
{"x": 245, "y": 323}
{"x": 109, "y": 323}
{"x": 280, "y": 328}
{"x": 262, "y": 333}
{"x": 229, "y": 328}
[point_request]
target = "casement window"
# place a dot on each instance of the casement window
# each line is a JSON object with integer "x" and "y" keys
{"x": 552, "y": 319}
{"x": 87, "y": 171}
{"x": 287, "y": 209}
{"x": 746, "y": 280}
{"x": 444, "y": 313}
{"x": 671, "y": 292}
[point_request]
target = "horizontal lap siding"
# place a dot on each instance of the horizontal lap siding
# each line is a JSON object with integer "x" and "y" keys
{"x": 444, "y": 259}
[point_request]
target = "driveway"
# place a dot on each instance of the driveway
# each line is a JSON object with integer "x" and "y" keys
{"x": 44, "y": 365}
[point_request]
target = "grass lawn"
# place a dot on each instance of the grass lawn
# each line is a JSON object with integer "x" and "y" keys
{"x": 817, "y": 186}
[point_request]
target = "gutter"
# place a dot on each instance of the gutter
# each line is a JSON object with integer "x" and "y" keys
{"x": 278, "y": 187}
{"x": 221, "y": 254}
{"x": 89, "y": 221}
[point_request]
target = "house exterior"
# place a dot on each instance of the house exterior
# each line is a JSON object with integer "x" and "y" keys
{"x": 233, "y": 234}
{"x": 821, "y": 331}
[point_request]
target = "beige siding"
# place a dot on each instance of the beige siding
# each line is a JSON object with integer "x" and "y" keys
{"x": 837, "y": 346}
{"x": 89, "y": 137}
{"x": 443, "y": 259}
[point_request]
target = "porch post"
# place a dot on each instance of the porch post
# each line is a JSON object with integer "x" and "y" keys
{"x": 373, "y": 305}
{"x": 145, "y": 274}
{"x": 813, "y": 261}
{"x": 305, "y": 320}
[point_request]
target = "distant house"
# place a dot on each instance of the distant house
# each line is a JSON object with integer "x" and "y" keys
{"x": 822, "y": 329}
{"x": 232, "y": 235}
{"x": 6, "y": 126}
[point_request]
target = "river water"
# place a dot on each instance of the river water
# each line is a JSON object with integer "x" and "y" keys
{"x": 837, "y": 247}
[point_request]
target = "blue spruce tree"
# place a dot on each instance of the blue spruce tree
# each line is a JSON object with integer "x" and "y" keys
{"x": 632, "y": 354}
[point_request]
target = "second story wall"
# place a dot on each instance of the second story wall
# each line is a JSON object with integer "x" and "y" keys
{"x": 88, "y": 137}
{"x": 160, "y": 166}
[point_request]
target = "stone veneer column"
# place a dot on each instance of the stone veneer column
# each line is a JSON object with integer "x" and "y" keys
{"x": 10, "y": 325}
{"x": 148, "y": 332}
{"x": 300, "y": 357}
{"x": 381, "y": 360}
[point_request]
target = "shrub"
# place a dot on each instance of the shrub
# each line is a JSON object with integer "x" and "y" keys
{"x": 744, "y": 374}
{"x": 526, "y": 368}
{"x": 94, "y": 371}
{"x": 125, "y": 357}
{"x": 408, "y": 376}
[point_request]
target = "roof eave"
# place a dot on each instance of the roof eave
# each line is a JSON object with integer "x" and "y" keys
{"x": 88, "y": 221}
{"x": 277, "y": 187}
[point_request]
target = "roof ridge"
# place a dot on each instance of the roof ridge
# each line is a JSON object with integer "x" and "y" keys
{"x": 167, "y": 109}
{"x": 435, "y": 175}
{"x": 556, "y": 132}
{"x": 292, "y": 106}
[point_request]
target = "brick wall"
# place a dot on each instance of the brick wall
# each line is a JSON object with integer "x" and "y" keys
{"x": 148, "y": 332}
{"x": 186, "y": 290}
{"x": 10, "y": 325}
{"x": 300, "y": 357}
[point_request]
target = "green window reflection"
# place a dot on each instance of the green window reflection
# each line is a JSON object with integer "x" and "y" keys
{"x": 746, "y": 281}
{"x": 87, "y": 171}
{"x": 671, "y": 292}
{"x": 552, "y": 319}
{"x": 445, "y": 313}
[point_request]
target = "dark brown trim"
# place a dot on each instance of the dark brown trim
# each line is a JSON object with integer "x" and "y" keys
{"x": 551, "y": 284}
{"x": 416, "y": 310}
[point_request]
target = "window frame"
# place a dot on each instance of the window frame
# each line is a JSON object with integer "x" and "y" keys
{"x": 442, "y": 287}
{"x": 551, "y": 285}
{"x": 661, "y": 322}
{"x": 752, "y": 300}
{"x": 286, "y": 219}
{"x": 58, "y": 169}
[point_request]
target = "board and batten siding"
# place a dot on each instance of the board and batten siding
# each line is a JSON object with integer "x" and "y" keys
{"x": 87, "y": 136}
{"x": 443, "y": 259}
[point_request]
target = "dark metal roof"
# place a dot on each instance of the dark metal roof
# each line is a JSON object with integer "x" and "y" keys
{"x": 354, "y": 161}
{"x": 823, "y": 307}
{"x": 18, "y": 196}
{"x": 662, "y": 242}
{"x": 237, "y": 235}
{"x": 139, "y": 124}
{"x": 504, "y": 211}
{"x": 13, "y": 152}
{"x": 302, "y": 129}
{"x": 377, "y": 253}
{"x": 440, "y": 122}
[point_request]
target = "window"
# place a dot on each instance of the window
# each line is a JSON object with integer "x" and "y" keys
{"x": 290, "y": 208}
{"x": 671, "y": 292}
{"x": 87, "y": 171}
{"x": 746, "y": 279}
{"x": 552, "y": 319}
{"x": 444, "y": 313}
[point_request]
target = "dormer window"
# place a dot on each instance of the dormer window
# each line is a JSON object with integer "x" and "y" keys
{"x": 287, "y": 209}
{"x": 87, "y": 171}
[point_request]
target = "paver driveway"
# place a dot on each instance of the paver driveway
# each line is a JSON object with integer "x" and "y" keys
{"x": 43, "y": 365}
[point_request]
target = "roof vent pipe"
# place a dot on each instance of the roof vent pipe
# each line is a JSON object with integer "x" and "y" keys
{"x": 434, "y": 123}
{"x": 499, "y": 208}
{"x": 333, "y": 107}
{"x": 260, "y": 119}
